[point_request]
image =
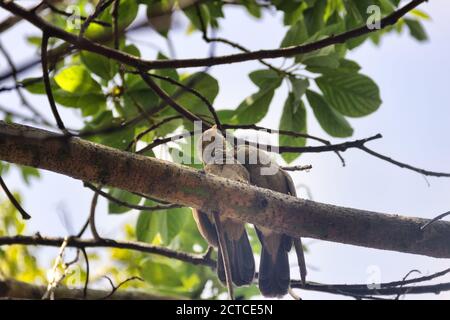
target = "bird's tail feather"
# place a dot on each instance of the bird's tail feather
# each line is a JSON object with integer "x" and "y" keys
{"x": 274, "y": 274}
{"x": 242, "y": 263}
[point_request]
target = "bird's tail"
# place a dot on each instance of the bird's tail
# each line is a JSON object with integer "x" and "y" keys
{"x": 274, "y": 273}
{"x": 242, "y": 263}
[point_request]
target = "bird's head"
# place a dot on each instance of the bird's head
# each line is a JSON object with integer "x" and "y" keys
{"x": 213, "y": 147}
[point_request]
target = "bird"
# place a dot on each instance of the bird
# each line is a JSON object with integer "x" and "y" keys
{"x": 218, "y": 159}
{"x": 274, "y": 271}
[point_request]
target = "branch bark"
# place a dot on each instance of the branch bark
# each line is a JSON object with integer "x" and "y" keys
{"x": 13, "y": 289}
{"x": 185, "y": 186}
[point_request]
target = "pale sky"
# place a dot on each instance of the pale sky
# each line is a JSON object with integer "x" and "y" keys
{"x": 413, "y": 80}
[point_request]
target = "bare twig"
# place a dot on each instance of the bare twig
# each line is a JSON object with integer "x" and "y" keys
{"x": 439, "y": 217}
{"x": 150, "y": 129}
{"x": 169, "y": 100}
{"x": 404, "y": 165}
{"x": 70, "y": 14}
{"x": 130, "y": 205}
{"x": 92, "y": 215}
{"x": 56, "y": 277}
{"x": 194, "y": 92}
{"x": 48, "y": 88}
{"x": 88, "y": 271}
{"x": 13, "y": 200}
{"x": 101, "y": 6}
{"x": 298, "y": 168}
{"x": 115, "y": 288}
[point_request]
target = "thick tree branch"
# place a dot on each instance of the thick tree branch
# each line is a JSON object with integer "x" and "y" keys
{"x": 83, "y": 43}
{"x": 14, "y": 289}
{"x": 181, "y": 185}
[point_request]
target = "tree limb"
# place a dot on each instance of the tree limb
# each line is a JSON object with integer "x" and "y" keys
{"x": 181, "y": 185}
{"x": 141, "y": 64}
{"x": 14, "y": 289}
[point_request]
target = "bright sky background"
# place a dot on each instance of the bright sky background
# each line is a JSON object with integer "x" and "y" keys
{"x": 413, "y": 79}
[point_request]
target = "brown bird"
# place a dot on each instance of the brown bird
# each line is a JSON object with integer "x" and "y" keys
{"x": 218, "y": 159}
{"x": 274, "y": 271}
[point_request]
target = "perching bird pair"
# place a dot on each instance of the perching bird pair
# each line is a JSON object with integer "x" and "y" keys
{"x": 255, "y": 167}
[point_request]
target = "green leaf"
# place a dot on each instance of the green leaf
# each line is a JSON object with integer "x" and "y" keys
{"x": 28, "y": 173}
{"x": 170, "y": 73}
{"x": 254, "y": 108}
{"x": 159, "y": 274}
{"x": 176, "y": 219}
{"x": 292, "y": 119}
{"x": 137, "y": 95}
{"x": 352, "y": 94}
{"x": 297, "y": 34}
{"x": 89, "y": 103}
{"x": 345, "y": 66}
{"x": 100, "y": 65}
{"x": 128, "y": 10}
{"x": 314, "y": 16}
{"x": 265, "y": 78}
{"x": 159, "y": 15}
{"x": 299, "y": 87}
{"x": 329, "y": 119}
{"x": 118, "y": 139}
{"x": 162, "y": 226}
{"x": 416, "y": 29}
{"x": 206, "y": 85}
{"x": 191, "y": 14}
{"x": 76, "y": 79}
{"x": 124, "y": 196}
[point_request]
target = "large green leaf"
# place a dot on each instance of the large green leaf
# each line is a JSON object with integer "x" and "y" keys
{"x": 90, "y": 103}
{"x": 352, "y": 94}
{"x": 100, "y": 65}
{"x": 138, "y": 96}
{"x": 204, "y": 84}
{"x": 265, "y": 78}
{"x": 162, "y": 226}
{"x": 329, "y": 119}
{"x": 160, "y": 274}
{"x": 297, "y": 34}
{"x": 128, "y": 10}
{"x": 254, "y": 108}
{"x": 292, "y": 119}
{"x": 76, "y": 79}
{"x": 299, "y": 87}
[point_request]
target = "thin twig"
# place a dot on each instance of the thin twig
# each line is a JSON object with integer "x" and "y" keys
{"x": 13, "y": 200}
{"x": 297, "y": 168}
{"x": 101, "y": 6}
{"x": 169, "y": 100}
{"x": 48, "y": 88}
{"x": 194, "y": 92}
{"x": 88, "y": 268}
{"x": 115, "y": 288}
{"x": 130, "y": 205}
{"x": 71, "y": 14}
{"x": 439, "y": 217}
{"x": 92, "y": 215}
